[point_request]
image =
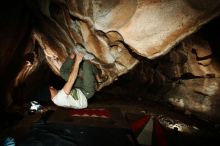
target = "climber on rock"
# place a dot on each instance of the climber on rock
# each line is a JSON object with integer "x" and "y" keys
{"x": 80, "y": 76}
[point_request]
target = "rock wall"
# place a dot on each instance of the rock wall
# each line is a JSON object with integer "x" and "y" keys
{"x": 119, "y": 33}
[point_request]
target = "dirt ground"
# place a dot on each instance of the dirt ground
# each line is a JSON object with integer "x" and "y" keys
{"x": 180, "y": 129}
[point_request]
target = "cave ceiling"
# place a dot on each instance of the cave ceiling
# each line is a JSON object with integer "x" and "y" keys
{"x": 117, "y": 32}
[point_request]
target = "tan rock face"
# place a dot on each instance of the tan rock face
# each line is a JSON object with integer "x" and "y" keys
{"x": 200, "y": 58}
{"x": 116, "y": 32}
{"x": 193, "y": 57}
{"x": 197, "y": 96}
{"x": 151, "y": 28}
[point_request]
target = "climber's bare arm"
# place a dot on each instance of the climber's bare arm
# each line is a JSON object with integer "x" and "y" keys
{"x": 73, "y": 75}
